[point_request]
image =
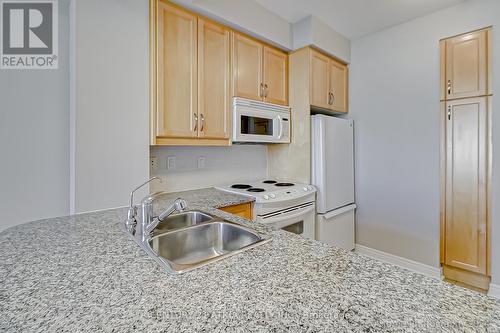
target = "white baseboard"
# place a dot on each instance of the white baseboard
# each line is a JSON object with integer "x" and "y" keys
{"x": 494, "y": 290}
{"x": 415, "y": 266}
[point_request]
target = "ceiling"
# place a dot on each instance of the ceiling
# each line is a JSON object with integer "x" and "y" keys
{"x": 355, "y": 18}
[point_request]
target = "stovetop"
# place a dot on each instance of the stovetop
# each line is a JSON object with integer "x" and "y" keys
{"x": 269, "y": 190}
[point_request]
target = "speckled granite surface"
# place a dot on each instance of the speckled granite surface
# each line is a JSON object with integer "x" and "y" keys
{"x": 83, "y": 274}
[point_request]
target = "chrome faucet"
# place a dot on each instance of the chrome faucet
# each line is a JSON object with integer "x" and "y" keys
{"x": 131, "y": 222}
{"x": 142, "y": 231}
{"x": 149, "y": 222}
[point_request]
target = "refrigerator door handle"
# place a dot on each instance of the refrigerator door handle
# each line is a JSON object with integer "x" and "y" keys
{"x": 339, "y": 211}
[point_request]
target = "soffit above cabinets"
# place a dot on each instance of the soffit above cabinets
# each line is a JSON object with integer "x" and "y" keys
{"x": 355, "y": 18}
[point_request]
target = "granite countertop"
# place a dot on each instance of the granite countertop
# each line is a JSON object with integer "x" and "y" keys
{"x": 83, "y": 273}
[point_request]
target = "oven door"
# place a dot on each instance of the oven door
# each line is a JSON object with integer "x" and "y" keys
{"x": 298, "y": 220}
{"x": 257, "y": 125}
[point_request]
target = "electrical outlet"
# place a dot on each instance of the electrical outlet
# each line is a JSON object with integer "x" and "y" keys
{"x": 202, "y": 162}
{"x": 153, "y": 163}
{"x": 171, "y": 160}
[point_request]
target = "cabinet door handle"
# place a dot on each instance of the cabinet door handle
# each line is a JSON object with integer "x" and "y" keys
{"x": 449, "y": 112}
{"x": 265, "y": 90}
{"x": 202, "y": 122}
{"x": 449, "y": 87}
{"x": 195, "y": 122}
{"x": 261, "y": 92}
{"x": 329, "y": 98}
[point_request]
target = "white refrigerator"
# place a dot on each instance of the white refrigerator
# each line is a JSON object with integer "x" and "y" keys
{"x": 333, "y": 175}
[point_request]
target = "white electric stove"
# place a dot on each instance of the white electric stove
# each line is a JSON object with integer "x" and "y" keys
{"x": 281, "y": 204}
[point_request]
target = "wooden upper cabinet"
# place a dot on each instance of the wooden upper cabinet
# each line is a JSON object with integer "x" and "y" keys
{"x": 197, "y": 66}
{"x": 275, "y": 76}
{"x": 328, "y": 83}
{"x": 260, "y": 72}
{"x": 247, "y": 67}
{"x": 176, "y": 110}
{"x": 467, "y": 65}
{"x": 214, "y": 90}
{"x": 319, "y": 80}
{"x": 338, "y": 86}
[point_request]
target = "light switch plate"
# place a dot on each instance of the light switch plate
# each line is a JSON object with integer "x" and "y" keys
{"x": 202, "y": 162}
{"x": 171, "y": 161}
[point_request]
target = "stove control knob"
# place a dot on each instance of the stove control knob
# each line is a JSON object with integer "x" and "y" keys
{"x": 266, "y": 197}
{"x": 305, "y": 189}
{"x": 272, "y": 196}
{"x": 310, "y": 188}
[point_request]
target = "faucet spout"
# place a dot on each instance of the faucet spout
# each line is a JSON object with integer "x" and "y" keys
{"x": 178, "y": 206}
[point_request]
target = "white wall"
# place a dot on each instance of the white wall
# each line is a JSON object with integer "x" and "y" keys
{"x": 111, "y": 101}
{"x": 247, "y": 16}
{"x": 34, "y": 104}
{"x": 312, "y": 31}
{"x": 395, "y": 106}
{"x": 223, "y": 165}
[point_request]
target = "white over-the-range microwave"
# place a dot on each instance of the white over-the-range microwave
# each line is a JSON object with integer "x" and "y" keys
{"x": 259, "y": 122}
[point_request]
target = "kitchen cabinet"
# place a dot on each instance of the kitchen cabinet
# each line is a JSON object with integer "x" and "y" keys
{"x": 191, "y": 81}
{"x": 328, "y": 83}
{"x": 466, "y": 65}
{"x": 319, "y": 84}
{"x": 247, "y": 67}
{"x": 466, "y": 155}
{"x": 243, "y": 210}
{"x": 275, "y": 76}
{"x": 338, "y": 86}
{"x": 214, "y": 84}
{"x": 197, "y": 66}
{"x": 260, "y": 72}
{"x": 466, "y": 163}
{"x": 176, "y": 114}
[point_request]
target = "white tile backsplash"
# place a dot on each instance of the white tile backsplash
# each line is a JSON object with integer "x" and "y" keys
{"x": 200, "y": 167}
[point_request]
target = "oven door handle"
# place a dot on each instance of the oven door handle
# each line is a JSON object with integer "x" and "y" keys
{"x": 278, "y": 219}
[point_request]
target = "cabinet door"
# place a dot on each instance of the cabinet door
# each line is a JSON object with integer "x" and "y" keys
{"x": 338, "y": 86}
{"x": 243, "y": 210}
{"x": 466, "y": 65}
{"x": 275, "y": 76}
{"x": 177, "y": 73}
{"x": 319, "y": 80}
{"x": 247, "y": 67}
{"x": 466, "y": 172}
{"x": 214, "y": 97}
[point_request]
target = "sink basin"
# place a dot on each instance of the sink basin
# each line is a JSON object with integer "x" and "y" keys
{"x": 185, "y": 249}
{"x": 181, "y": 220}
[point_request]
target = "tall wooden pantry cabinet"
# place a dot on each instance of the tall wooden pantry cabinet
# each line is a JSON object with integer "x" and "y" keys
{"x": 466, "y": 97}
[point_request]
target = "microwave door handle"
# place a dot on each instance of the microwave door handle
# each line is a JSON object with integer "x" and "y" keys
{"x": 281, "y": 127}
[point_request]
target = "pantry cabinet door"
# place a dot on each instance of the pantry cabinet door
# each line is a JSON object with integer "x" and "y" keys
{"x": 176, "y": 114}
{"x": 275, "y": 76}
{"x": 466, "y": 191}
{"x": 247, "y": 67}
{"x": 214, "y": 93}
{"x": 319, "y": 80}
{"x": 466, "y": 65}
{"x": 338, "y": 86}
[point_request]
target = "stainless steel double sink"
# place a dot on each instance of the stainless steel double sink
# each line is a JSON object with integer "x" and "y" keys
{"x": 192, "y": 239}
